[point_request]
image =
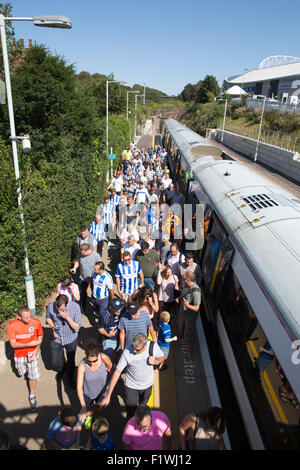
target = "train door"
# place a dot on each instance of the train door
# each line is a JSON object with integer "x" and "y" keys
{"x": 216, "y": 257}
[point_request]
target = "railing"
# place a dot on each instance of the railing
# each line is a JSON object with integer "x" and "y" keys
{"x": 278, "y": 139}
{"x": 269, "y": 106}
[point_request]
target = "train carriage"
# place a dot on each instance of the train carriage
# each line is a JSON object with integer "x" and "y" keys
{"x": 251, "y": 270}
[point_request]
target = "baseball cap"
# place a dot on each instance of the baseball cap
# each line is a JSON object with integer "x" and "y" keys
{"x": 116, "y": 304}
{"x": 133, "y": 308}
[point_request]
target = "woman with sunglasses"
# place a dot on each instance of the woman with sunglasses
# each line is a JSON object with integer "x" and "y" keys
{"x": 92, "y": 378}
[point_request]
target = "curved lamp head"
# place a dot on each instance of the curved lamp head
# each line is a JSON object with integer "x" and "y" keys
{"x": 52, "y": 22}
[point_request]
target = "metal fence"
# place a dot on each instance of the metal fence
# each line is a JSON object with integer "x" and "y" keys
{"x": 269, "y": 106}
{"x": 278, "y": 139}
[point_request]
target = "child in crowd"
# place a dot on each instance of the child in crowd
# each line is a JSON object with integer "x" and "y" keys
{"x": 164, "y": 336}
{"x": 100, "y": 438}
{"x": 64, "y": 430}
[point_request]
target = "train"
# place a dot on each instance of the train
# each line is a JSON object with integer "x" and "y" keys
{"x": 250, "y": 289}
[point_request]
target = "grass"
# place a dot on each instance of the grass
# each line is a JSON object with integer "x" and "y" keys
{"x": 279, "y": 139}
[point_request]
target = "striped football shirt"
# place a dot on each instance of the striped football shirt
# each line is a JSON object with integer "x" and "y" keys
{"x": 128, "y": 275}
{"x": 102, "y": 283}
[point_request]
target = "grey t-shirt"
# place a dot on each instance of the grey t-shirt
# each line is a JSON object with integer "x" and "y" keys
{"x": 86, "y": 265}
{"x": 139, "y": 373}
{"x": 134, "y": 326}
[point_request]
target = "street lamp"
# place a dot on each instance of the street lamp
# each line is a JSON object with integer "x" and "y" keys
{"x": 132, "y": 91}
{"x": 259, "y": 131}
{"x": 107, "y": 83}
{"x": 135, "y": 107}
{"x": 46, "y": 21}
{"x": 225, "y": 108}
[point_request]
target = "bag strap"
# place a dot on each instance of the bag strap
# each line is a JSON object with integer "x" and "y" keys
{"x": 151, "y": 348}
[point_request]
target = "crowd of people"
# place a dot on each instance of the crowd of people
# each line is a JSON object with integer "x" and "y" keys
{"x": 157, "y": 284}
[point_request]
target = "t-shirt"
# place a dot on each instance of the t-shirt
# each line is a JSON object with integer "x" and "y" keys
{"x": 68, "y": 291}
{"x": 117, "y": 183}
{"x": 193, "y": 298}
{"x": 164, "y": 332}
{"x": 132, "y": 249}
{"x": 22, "y": 333}
{"x": 108, "y": 444}
{"x": 134, "y": 326}
{"x": 64, "y": 435}
{"x": 147, "y": 261}
{"x": 86, "y": 265}
{"x": 109, "y": 321}
{"x": 152, "y": 439}
{"x": 139, "y": 373}
{"x": 129, "y": 275}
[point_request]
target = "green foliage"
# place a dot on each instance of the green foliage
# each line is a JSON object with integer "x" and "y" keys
{"x": 208, "y": 89}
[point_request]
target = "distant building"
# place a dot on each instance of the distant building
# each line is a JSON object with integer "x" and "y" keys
{"x": 276, "y": 77}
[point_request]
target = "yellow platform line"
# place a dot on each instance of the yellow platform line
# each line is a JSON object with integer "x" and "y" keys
{"x": 270, "y": 388}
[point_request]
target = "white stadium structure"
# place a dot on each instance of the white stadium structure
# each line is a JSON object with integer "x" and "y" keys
{"x": 276, "y": 77}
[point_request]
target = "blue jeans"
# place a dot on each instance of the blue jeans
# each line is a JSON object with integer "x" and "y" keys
{"x": 148, "y": 281}
{"x": 102, "y": 304}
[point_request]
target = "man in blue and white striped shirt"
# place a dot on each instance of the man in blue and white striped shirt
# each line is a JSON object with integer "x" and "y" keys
{"x": 107, "y": 218}
{"x": 101, "y": 287}
{"x": 98, "y": 230}
{"x": 128, "y": 274}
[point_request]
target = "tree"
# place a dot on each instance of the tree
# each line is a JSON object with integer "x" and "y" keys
{"x": 207, "y": 88}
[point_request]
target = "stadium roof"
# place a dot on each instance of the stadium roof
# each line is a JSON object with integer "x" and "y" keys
{"x": 268, "y": 73}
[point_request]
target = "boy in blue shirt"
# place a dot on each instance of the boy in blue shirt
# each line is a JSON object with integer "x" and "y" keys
{"x": 100, "y": 438}
{"x": 164, "y": 336}
{"x": 64, "y": 430}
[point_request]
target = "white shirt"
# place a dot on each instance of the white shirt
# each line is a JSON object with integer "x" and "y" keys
{"x": 125, "y": 233}
{"x": 166, "y": 182}
{"x": 132, "y": 249}
{"x": 117, "y": 183}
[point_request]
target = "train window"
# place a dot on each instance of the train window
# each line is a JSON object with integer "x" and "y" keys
{"x": 211, "y": 254}
{"x": 274, "y": 403}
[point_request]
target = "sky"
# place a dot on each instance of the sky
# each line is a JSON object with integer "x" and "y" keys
{"x": 164, "y": 43}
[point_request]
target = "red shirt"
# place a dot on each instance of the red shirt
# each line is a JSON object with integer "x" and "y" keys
{"x": 24, "y": 333}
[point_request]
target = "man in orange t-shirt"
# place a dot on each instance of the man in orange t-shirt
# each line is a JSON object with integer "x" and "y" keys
{"x": 25, "y": 336}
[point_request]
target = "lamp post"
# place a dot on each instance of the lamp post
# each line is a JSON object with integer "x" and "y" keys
{"x": 50, "y": 22}
{"x": 107, "y": 83}
{"x": 259, "y": 131}
{"x": 224, "y": 118}
{"x": 135, "y": 108}
{"x": 131, "y": 91}
{"x": 245, "y": 70}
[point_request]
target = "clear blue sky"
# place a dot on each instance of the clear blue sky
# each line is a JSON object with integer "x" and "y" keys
{"x": 165, "y": 43}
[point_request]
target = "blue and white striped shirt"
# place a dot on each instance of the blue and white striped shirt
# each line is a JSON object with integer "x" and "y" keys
{"x": 114, "y": 201}
{"x": 102, "y": 283}
{"x": 129, "y": 275}
{"x": 98, "y": 230}
{"x": 106, "y": 213}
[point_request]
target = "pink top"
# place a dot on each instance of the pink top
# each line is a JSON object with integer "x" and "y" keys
{"x": 68, "y": 291}
{"x": 152, "y": 439}
{"x": 166, "y": 289}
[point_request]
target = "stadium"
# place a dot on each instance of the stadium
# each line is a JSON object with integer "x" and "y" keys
{"x": 276, "y": 77}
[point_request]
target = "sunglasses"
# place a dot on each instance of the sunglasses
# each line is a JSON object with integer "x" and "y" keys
{"x": 138, "y": 350}
{"x": 92, "y": 362}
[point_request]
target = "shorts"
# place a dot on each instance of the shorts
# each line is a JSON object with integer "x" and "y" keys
{"x": 32, "y": 368}
{"x": 165, "y": 350}
{"x": 89, "y": 401}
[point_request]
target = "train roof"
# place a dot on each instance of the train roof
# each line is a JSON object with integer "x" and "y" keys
{"x": 264, "y": 221}
{"x": 191, "y": 145}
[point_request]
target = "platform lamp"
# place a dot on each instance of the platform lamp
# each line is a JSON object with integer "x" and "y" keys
{"x": 45, "y": 21}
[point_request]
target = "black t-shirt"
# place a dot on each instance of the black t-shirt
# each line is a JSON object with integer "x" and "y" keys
{"x": 169, "y": 195}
